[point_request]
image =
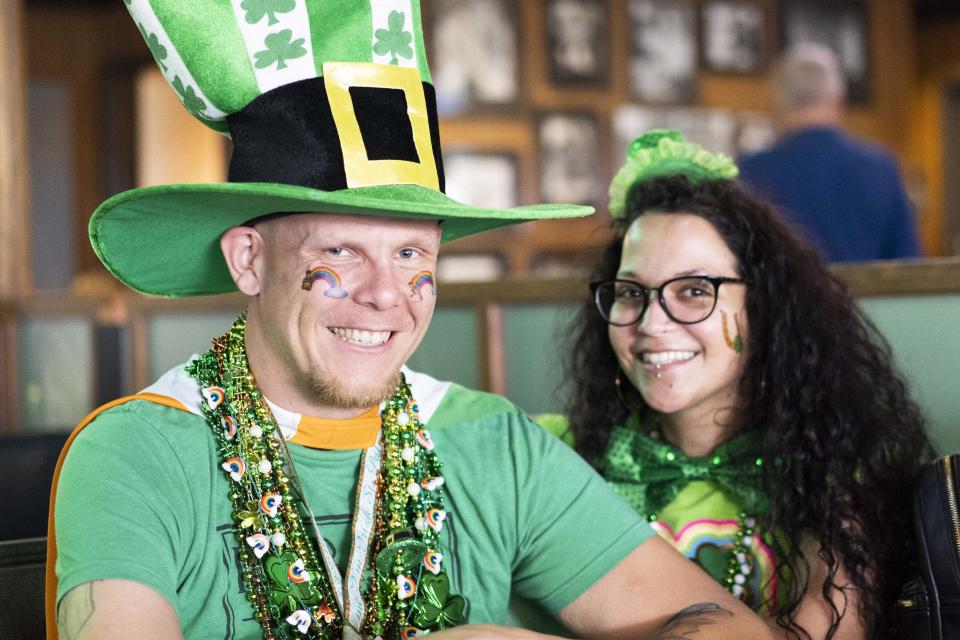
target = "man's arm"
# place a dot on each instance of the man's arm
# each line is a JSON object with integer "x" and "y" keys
{"x": 657, "y": 594}
{"x": 116, "y": 610}
{"x": 653, "y": 594}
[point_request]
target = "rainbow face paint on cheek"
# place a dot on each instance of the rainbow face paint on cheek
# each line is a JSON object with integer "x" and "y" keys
{"x": 737, "y": 342}
{"x": 421, "y": 280}
{"x": 327, "y": 275}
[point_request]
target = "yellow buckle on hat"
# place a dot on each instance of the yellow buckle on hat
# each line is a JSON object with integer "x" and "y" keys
{"x": 338, "y": 78}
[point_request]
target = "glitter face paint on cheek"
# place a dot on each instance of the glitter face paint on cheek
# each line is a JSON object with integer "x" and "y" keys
{"x": 737, "y": 342}
{"x": 421, "y": 280}
{"x": 327, "y": 275}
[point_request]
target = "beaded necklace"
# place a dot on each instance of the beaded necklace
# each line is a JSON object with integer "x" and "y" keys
{"x": 395, "y": 586}
{"x": 739, "y": 567}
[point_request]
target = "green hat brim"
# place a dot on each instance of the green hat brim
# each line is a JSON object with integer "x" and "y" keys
{"x": 165, "y": 240}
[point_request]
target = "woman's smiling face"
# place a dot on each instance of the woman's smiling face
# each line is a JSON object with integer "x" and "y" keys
{"x": 690, "y": 369}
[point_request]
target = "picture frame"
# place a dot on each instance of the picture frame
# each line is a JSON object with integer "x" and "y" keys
{"x": 663, "y": 50}
{"x": 578, "y": 48}
{"x": 733, "y": 36}
{"x": 569, "y": 152}
{"x": 841, "y": 25}
{"x": 487, "y": 179}
{"x": 474, "y": 53}
{"x": 713, "y": 128}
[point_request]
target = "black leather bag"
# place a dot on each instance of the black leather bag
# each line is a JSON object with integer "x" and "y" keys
{"x": 929, "y": 606}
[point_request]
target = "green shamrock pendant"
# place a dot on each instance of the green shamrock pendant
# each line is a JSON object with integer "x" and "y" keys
{"x": 435, "y": 608}
{"x": 289, "y": 586}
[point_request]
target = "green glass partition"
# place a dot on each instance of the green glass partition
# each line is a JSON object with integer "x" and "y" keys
{"x": 534, "y": 340}
{"x": 450, "y": 349}
{"x": 926, "y": 344}
{"x": 173, "y": 338}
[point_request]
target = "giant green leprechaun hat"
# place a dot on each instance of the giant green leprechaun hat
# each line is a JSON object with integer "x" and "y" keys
{"x": 330, "y": 107}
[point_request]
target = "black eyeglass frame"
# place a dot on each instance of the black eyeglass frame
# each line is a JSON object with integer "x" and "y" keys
{"x": 716, "y": 281}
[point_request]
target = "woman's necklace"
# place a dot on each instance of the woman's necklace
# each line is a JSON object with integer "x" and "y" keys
{"x": 394, "y": 586}
{"x": 739, "y": 563}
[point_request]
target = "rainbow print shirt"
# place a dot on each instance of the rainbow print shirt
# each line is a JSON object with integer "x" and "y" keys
{"x": 702, "y": 524}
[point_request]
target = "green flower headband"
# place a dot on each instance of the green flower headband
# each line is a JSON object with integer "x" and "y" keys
{"x": 663, "y": 152}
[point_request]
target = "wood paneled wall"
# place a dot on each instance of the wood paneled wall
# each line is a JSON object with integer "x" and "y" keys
{"x": 14, "y": 238}
{"x": 85, "y": 47}
{"x": 938, "y": 67}
{"x": 81, "y": 46}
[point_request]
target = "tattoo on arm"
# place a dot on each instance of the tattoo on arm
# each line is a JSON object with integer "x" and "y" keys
{"x": 75, "y": 611}
{"x": 687, "y": 622}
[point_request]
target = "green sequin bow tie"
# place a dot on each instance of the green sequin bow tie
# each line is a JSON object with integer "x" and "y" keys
{"x": 651, "y": 474}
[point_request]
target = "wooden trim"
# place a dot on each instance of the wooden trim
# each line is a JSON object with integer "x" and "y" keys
{"x": 15, "y": 276}
{"x": 8, "y": 366}
{"x": 57, "y": 303}
{"x": 511, "y": 291}
{"x": 139, "y": 351}
{"x": 493, "y": 370}
{"x": 149, "y": 305}
{"x": 901, "y": 277}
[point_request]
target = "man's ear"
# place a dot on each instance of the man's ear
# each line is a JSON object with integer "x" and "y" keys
{"x": 242, "y": 249}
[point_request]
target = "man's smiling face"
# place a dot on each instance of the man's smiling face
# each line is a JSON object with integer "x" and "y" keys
{"x": 337, "y": 313}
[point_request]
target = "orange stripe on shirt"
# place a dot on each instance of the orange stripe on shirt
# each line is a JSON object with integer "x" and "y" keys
{"x": 353, "y": 433}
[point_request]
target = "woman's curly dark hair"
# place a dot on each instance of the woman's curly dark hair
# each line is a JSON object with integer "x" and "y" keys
{"x": 818, "y": 383}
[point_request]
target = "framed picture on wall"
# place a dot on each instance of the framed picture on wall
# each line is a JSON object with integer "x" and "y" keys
{"x": 488, "y": 179}
{"x": 840, "y": 25}
{"x": 578, "y": 50}
{"x": 663, "y": 50}
{"x": 473, "y": 56}
{"x": 569, "y": 148}
{"x": 713, "y": 129}
{"x": 733, "y": 36}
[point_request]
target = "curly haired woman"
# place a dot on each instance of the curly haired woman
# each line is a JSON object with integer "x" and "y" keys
{"x": 732, "y": 391}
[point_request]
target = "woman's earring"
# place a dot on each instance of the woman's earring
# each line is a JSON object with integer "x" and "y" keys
{"x": 617, "y": 383}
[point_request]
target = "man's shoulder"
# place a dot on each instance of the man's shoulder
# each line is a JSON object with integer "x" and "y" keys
{"x": 756, "y": 166}
{"x": 754, "y": 159}
{"x": 448, "y": 404}
{"x": 864, "y": 151}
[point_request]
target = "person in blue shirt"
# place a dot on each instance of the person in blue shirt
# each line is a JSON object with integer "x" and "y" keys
{"x": 846, "y": 196}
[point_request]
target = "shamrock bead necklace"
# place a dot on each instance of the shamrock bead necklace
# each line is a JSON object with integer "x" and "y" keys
{"x": 395, "y": 586}
{"x": 739, "y": 568}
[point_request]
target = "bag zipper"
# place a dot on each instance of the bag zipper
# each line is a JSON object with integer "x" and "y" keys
{"x": 952, "y": 501}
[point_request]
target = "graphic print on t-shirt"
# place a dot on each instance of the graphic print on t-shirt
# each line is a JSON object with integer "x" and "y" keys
{"x": 236, "y": 608}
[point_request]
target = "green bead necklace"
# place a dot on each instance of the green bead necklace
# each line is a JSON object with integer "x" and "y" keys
{"x": 395, "y": 586}
{"x": 739, "y": 568}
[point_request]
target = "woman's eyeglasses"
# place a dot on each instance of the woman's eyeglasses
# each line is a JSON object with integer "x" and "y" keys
{"x": 687, "y": 299}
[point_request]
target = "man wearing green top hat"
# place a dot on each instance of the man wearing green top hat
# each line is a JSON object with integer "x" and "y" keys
{"x": 297, "y": 481}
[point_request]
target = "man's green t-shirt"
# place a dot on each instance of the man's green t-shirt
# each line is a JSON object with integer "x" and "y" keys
{"x": 142, "y": 497}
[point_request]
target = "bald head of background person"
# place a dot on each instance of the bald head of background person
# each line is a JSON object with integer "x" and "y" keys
{"x": 808, "y": 88}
